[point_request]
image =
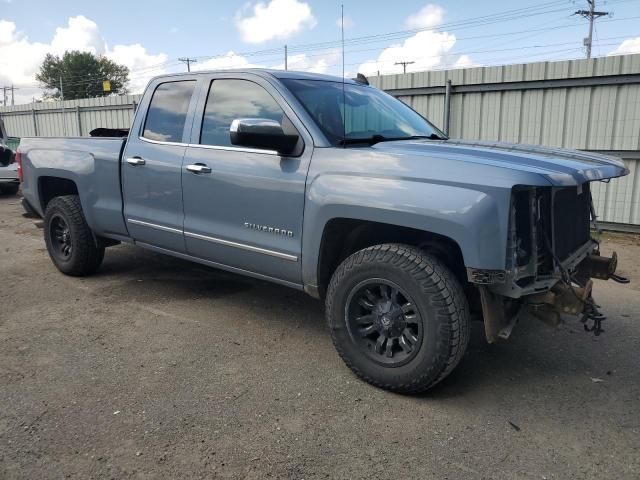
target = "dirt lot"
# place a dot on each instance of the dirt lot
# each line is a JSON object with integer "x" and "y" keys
{"x": 157, "y": 368}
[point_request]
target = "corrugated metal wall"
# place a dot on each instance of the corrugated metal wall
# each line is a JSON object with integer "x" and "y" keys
{"x": 583, "y": 104}
{"x": 69, "y": 118}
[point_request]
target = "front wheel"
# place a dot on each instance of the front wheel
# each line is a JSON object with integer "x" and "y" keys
{"x": 69, "y": 240}
{"x": 398, "y": 317}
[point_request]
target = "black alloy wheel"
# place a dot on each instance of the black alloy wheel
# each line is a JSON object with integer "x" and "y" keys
{"x": 60, "y": 235}
{"x": 384, "y": 322}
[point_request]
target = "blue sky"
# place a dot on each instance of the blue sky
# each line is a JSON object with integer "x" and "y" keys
{"x": 150, "y": 36}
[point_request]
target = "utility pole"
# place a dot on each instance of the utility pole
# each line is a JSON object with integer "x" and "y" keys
{"x": 13, "y": 100}
{"x": 188, "y": 61}
{"x": 591, "y": 15}
{"x": 286, "y": 66}
{"x": 4, "y": 96}
{"x": 404, "y": 65}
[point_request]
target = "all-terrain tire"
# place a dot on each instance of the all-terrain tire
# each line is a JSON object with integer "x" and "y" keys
{"x": 84, "y": 256}
{"x": 439, "y": 298}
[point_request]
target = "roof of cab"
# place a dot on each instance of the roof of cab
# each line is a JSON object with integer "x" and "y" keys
{"x": 279, "y": 74}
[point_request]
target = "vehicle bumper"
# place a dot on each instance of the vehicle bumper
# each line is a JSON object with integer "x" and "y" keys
{"x": 561, "y": 297}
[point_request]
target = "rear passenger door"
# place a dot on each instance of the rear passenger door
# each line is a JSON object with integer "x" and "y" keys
{"x": 152, "y": 165}
{"x": 244, "y": 206}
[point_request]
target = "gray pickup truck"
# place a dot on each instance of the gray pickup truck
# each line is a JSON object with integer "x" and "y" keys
{"x": 342, "y": 191}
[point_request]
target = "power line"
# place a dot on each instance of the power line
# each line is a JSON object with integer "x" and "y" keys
{"x": 592, "y": 14}
{"x": 509, "y": 15}
{"x": 462, "y": 52}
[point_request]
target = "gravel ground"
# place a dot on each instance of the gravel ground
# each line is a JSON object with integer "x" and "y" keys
{"x": 158, "y": 368}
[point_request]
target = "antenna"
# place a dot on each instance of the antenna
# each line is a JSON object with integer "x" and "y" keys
{"x": 344, "y": 100}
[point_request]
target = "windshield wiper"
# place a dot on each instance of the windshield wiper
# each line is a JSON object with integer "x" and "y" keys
{"x": 373, "y": 139}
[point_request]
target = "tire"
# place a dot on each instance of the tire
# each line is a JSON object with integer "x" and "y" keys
{"x": 10, "y": 188}
{"x": 433, "y": 317}
{"x": 69, "y": 240}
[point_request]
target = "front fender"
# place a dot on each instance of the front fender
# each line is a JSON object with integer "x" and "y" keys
{"x": 477, "y": 220}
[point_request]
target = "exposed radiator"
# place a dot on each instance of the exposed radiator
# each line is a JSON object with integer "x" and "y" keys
{"x": 571, "y": 219}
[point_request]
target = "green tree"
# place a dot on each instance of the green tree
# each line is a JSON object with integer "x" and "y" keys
{"x": 82, "y": 74}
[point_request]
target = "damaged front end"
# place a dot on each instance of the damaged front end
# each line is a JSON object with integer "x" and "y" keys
{"x": 551, "y": 259}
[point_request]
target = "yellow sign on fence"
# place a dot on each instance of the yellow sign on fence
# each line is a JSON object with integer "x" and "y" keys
{"x": 106, "y": 86}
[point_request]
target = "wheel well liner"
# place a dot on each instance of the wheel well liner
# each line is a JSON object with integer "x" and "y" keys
{"x": 51, "y": 187}
{"x": 343, "y": 236}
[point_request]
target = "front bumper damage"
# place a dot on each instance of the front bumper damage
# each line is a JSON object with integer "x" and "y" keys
{"x": 570, "y": 295}
{"x": 550, "y": 262}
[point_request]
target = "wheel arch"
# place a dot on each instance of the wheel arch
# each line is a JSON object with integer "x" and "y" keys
{"x": 50, "y": 187}
{"x": 344, "y": 236}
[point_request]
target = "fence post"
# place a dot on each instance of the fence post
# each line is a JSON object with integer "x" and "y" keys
{"x": 35, "y": 122}
{"x": 447, "y": 107}
{"x": 79, "y": 120}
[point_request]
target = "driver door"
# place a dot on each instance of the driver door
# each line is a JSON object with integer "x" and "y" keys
{"x": 243, "y": 207}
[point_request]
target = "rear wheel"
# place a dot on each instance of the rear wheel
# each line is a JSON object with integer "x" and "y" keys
{"x": 398, "y": 317}
{"x": 69, "y": 240}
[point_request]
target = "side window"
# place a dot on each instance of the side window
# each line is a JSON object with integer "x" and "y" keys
{"x": 168, "y": 111}
{"x": 230, "y": 99}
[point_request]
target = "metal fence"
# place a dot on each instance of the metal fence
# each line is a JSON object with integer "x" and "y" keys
{"x": 583, "y": 104}
{"x": 69, "y": 118}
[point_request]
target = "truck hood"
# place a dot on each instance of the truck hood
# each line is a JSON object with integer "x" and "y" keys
{"x": 559, "y": 166}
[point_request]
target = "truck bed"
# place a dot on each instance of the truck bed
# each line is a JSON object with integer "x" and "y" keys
{"x": 92, "y": 165}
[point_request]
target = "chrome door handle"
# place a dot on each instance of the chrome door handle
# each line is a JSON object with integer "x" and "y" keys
{"x": 135, "y": 161}
{"x": 198, "y": 168}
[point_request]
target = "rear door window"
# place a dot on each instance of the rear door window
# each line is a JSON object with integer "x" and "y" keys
{"x": 167, "y": 112}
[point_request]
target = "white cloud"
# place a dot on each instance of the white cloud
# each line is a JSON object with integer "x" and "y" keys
{"x": 279, "y": 19}
{"x": 314, "y": 63}
{"x": 20, "y": 58}
{"x": 7, "y": 32}
{"x": 302, "y": 62}
{"x": 630, "y": 45}
{"x": 429, "y": 16}
{"x": 348, "y": 22}
{"x": 80, "y": 34}
{"x": 141, "y": 64}
{"x": 230, "y": 60}
{"x": 464, "y": 61}
{"x": 426, "y": 49}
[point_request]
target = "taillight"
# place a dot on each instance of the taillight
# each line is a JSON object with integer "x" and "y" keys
{"x": 19, "y": 165}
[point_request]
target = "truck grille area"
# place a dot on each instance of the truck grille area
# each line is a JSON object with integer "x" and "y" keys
{"x": 550, "y": 224}
{"x": 571, "y": 219}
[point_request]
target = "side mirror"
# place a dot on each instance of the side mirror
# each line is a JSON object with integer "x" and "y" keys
{"x": 262, "y": 133}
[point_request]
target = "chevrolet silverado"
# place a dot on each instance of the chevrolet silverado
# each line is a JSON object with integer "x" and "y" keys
{"x": 333, "y": 187}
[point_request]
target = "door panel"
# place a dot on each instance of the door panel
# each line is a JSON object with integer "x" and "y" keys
{"x": 153, "y": 194}
{"x": 226, "y": 210}
{"x": 247, "y": 212}
{"x": 152, "y": 166}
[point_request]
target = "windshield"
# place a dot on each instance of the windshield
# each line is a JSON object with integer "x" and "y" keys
{"x": 368, "y": 112}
